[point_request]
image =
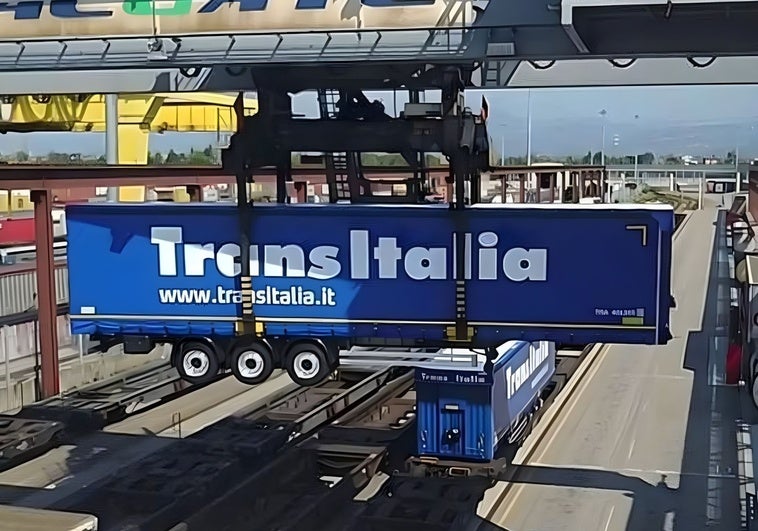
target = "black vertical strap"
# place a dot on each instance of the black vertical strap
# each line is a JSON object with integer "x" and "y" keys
{"x": 243, "y": 214}
{"x": 459, "y": 164}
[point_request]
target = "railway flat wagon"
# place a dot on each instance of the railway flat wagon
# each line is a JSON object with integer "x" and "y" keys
{"x": 467, "y": 415}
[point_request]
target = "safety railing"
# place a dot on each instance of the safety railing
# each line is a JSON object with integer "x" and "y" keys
{"x": 244, "y": 49}
{"x": 29, "y": 316}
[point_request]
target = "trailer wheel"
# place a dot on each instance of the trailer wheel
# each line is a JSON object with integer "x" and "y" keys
{"x": 252, "y": 364}
{"x": 307, "y": 364}
{"x": 196, "y": 362}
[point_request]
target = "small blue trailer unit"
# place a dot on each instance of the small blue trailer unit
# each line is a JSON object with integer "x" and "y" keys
{"x": 327, "y": 277}
{"x": 466, "y": 415}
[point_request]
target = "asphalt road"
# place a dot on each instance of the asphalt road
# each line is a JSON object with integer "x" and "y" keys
{"x": 647, "y": 441}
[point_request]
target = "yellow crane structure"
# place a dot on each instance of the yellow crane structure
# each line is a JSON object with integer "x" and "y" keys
{"x": 138, "y": 116}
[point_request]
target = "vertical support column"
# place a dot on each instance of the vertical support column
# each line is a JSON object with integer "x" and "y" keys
{"x": 111, "y": 138}
{"x": 301, "y": 191}
{"x": 283, "y": 176}
{"x": 580, "y": 178}
{"x": 701, "y": 191}
{"x": 552, "y": 187}
{"x": 521, "y": 188}
{"x": 47, "y": 316}
{"x": 4, "y": 345}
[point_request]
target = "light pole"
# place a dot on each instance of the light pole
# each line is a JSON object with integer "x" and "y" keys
{"x": 529, "y": 127}
{"x": 636, "y": 154}
{"x": 602, "y": 149}
{"x": 502, "y": 144}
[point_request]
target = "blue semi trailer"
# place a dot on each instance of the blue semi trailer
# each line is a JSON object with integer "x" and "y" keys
{"x": 467, "y": 415}
{"x": 328, "y": 277}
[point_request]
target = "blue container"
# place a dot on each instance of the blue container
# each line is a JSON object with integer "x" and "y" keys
{"x": 465, "y": 414}
{"x": 357, "y": 272}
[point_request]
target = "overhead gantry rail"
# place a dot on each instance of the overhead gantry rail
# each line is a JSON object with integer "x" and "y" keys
{"x": 220, "y": 46}
{"x": 71, "y": 34}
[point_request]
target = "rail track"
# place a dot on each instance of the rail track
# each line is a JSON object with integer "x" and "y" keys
{"x": 59, "y": 420}
{"x": 297, "y": 462}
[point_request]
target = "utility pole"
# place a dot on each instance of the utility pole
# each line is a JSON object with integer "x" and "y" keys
{"x": 603, "y": 113}
{"x": 529, "y": 127}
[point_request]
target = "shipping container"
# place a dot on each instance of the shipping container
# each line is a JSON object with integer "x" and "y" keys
{"x": 326, "y": 277}
{"x": 468, "y": 414}
{"x": 18, "y": 286}
{"x": 18, "y": 229}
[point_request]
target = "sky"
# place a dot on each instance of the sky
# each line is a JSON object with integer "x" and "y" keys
{"x": 697, "y": 120}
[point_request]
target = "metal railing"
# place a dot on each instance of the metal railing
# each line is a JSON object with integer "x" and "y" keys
{"x": 28, "y": 316}
{"x": 227, "y": 49}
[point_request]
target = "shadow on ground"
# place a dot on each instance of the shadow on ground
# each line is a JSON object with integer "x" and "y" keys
{"x": 708, "y": 492}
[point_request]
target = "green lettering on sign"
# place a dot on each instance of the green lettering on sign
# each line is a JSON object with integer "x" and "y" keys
{"x": 145, "y": 7}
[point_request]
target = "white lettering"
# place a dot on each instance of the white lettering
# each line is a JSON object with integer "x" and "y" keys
{"x": 488, "y": 256}
{"x": 359, "y": 254}
{"x": 516, "y": 377}
{"x": 520, "y": 264}
{"x": 195, "y": 256}
{"x": 422, "y": 263}
{"x": 225, "y": 260}
{"x": 387, "y": 253}
{"x": 324, "y": 262}
{"x": 166, "y": 239}
{"x": 276, "y": 256}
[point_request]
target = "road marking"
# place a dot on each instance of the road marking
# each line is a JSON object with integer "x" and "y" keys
{"x": 505, "y": 499}
{"x": 610, "y": 517}
{"x": 500, "y": 499}
{"x": 629, "y": 471}
{"x": 668, "y": 523}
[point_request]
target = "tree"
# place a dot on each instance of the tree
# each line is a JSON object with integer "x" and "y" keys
{"x": 173, "y": 157}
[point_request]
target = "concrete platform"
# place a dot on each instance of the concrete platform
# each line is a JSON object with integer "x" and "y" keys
{"x": 75, "y": 371}
{"x": 647, "y": 440}
{"x": 24, "y": 519}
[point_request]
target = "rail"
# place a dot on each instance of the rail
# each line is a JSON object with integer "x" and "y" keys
{"x": 400, "y": 44}
{"x": 9, "y": 255}
{"x": 29, "y": 316}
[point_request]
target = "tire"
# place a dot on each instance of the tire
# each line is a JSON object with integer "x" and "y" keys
{"x": 754, "y": 389}
{"x": 252, "y": 364}
{"x": 196, "y": 362}
{"x": 307, "y": 364}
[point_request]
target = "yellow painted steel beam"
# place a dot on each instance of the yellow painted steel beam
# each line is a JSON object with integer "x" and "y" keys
{"x": 199, "y": 112}
{"x": 139, "y": 115}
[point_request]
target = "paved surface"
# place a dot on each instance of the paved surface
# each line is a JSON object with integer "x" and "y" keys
{"x": 647, "y": 442}
{"x": 23, "y": 519}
